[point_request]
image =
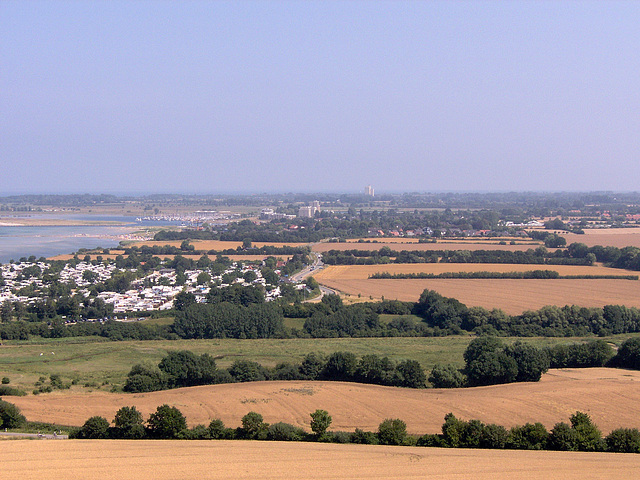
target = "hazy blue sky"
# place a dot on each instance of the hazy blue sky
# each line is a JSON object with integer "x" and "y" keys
{"x": 319, "y": 96}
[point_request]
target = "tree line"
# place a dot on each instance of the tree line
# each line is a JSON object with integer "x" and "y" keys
{"x": 167, "y": 422}
{"x": 526, "y": 275}
{"x": 575, "y": 254}
{"x": 185, "y": 369}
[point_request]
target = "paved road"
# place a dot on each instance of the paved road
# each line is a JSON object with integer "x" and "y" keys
{"x": 310, "y": 270}
{"x": 48, "y": 436}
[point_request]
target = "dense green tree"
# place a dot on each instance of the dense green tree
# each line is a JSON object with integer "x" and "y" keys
{"x": 253, "y": 426}
{"x": 492, "y": 368}
{"x": 10, "y": 416}
{"x": 493, "y": 436}
{"x": 624, "y": 440}
{"x": 563, "y": 437}
{"x": 217, "y": 429}
{"x": 320, "y": 422}
{"x": 373, "y": 369}
{"x": 166, "y": 422}
{"x": 145, "y": 378}
{"x": 128, "y": 423}
{"x": 588, "y": 436}
{"x": 453, "y": 431}
{"x": 531, "y": 361}
{"x": 446, "y": 376}
{"x": 340, "y": 366}
{"x": 334, "y": 302}
{"x": 411, "y": 374}
{"x": 284, "y": 432}
{"x": 247, "y": 371}
{"x": 6, "y": 311}
{"x": 94, "y": 428}
{"x": 628, "y": 354}
{"x": 392, "y": 431}
{"x": 531, "y": 436}
{"x": 183, "y": 368}
{"x": 312, "y": 365}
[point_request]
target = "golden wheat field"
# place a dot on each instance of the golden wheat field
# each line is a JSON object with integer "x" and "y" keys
{"x": 609, "y": 237}
{"x": 610, "y": 396}
{"x": 247, "y": 460}
{"x": 358, "y": 272}
{"x": 512, "y": 296}
{"x": 326, "y": 246}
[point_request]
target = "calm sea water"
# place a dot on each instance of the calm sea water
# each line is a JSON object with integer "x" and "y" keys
{"x": 16, "y": 242}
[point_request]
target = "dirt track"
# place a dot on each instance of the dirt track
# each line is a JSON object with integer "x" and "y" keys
{"x": 610, "y": 396}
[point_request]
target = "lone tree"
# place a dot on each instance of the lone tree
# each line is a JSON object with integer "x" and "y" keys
{"x": 320, "y": 421}
{"x": 166, "y": 422}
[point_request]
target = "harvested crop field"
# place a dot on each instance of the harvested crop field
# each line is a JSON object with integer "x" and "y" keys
{"x": 326, "y": 246}
{"x": 359, "y": 272}
{"x": 512, "y": 296}
{"x": 610, "y": 396}
{"x": 609, "y": 237}
{"x": 229, "y": 460}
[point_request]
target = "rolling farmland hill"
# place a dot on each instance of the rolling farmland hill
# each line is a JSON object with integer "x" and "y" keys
{"x": 610, "y": 396}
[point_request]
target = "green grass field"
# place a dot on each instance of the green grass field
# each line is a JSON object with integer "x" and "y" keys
{"x": 97, "y": 364}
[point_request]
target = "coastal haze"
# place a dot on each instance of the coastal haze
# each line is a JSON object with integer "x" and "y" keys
{"x": 146, "y": 96}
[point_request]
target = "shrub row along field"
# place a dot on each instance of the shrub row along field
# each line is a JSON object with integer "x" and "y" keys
{"x": 610, "y": 396}
{"x": 229, "y": 460}
{"x": 169, "y": 423}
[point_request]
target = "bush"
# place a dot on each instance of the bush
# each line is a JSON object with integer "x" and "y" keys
{"x": 166, "y": 422}
{"x": 531, "y": 362}
{"x": 320, "y": 421}
{"x": 446, "y": 376}
{"x": 411, "y": 374}
{"x": 338, "y": 437}
{"x": 253, "y": 426}
{"x": 563, "y": 437}
{"x": 452, "y": 431}
{"x": 128, "y": 423}
{"x": 629, "y": 354}
{"x": 95, "y": 427}
{"x": 589, "y": 438}
{"x": 5, "y": 380}
{"x": 10, "y": 416}
{"x": 144, "y": 378}
{"x": 493, "y": 436}
{"x": 365, "y": 438}
{"x": 199, "y": 432}
{"x": 531, "y": 436}
{"x": 247, "y": 371}
{"x": 217, "y": 430}
{"x": 392, "y": 432}
{"x": 5, "y": 390}
{"x": 340, "y": 366}
{"x": 284, "y": 432}
{"x": 624, "y": 440}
